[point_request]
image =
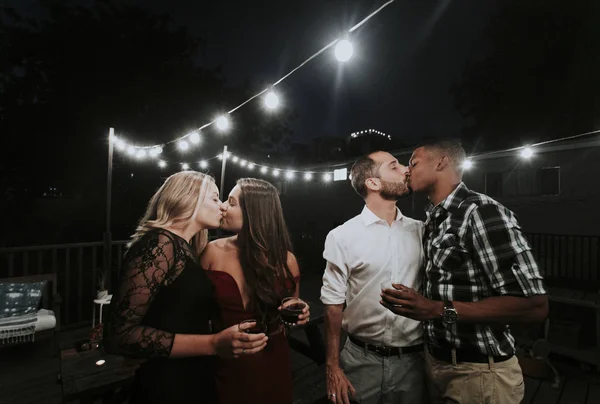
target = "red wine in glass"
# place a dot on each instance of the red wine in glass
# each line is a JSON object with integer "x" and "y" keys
{"x": 292, "y": 307}
{"x": 258, "y": 328}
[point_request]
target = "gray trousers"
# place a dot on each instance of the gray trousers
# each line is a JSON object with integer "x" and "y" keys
{"x": 384, "y": 380}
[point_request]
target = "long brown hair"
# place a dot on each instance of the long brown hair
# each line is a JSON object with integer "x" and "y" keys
{"x": 176, "y": 201}
{"x": 263, "y": 246}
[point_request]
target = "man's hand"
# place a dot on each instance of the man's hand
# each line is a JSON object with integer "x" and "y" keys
{"x": 407, "y": 302}
{"x": 339, "y": 388}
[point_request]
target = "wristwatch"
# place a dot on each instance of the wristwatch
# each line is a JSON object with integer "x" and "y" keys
{"x": 449, "y": 316}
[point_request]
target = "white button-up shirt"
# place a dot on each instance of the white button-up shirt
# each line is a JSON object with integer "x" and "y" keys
{"x": 361, "y": 254}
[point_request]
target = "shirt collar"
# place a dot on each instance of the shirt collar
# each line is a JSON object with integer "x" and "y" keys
{"x": 452, "y": 201}
{"x": 369, "y": 217}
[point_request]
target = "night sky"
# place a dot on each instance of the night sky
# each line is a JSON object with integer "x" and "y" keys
{"x": 406, "y": 58}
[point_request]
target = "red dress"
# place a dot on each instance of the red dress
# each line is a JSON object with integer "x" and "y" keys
{"x": 265, "y": 377}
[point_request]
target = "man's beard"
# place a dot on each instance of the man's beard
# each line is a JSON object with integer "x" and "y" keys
{"x": 391, "y": 191}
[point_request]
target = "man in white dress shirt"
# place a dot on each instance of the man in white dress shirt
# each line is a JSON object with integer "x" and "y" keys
{"x": 382, "y": 360}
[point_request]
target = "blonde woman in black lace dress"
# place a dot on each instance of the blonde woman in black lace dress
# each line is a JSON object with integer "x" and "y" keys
{"x": 164, "y": 308}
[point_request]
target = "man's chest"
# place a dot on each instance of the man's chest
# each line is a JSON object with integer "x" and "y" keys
{"x": 384, "y": 249}
{"x": 446, "y": 243}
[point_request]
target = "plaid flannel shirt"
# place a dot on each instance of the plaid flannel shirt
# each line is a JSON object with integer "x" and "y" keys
{"x": 475, "y": 249}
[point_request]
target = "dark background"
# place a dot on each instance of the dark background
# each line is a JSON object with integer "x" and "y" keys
{"x": 495, "y": 73}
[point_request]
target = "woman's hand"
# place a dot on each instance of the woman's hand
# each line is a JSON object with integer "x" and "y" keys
{"x": 233, "y": 342}
{"x": 304, "y": 318}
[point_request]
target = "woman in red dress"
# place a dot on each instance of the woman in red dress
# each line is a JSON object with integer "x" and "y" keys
{"x": 252, "y": 272}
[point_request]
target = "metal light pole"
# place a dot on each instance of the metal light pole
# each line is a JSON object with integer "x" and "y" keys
{"x": 223, "y": 166}
{"x": 107, "y": 233}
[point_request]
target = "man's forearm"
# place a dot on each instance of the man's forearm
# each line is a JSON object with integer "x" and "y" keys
{"x": 333, "y": 325}
{"x": 503, "y": 309}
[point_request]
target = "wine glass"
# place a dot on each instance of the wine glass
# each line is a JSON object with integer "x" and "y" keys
{"x": 258, "y": 328}
{"x": 291, "y": 308}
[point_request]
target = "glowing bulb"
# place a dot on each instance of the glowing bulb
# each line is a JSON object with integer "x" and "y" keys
{"x": 220, "y": 156}
{"x": 203, "y": 164}
{"x": 131, "y": 150}
{"x": 263, "y": 170}
{"x": 185, "y": 166}
{"x": 250, "y": 166}
{"x": 290, "y": 175}
{"x": 527, "y": 152}
{"x": 276, "y": 173}
{"x": 183, "y": 145}
{"x": 195, "y": 137}
{"x": 235, "y": 159}
{"x": 271, "y": 100}
{"x": 467, "y": 164}
{"x": 308, "y": 176}
{"x": 344, "y": 50}
{"x": 243, "y": 163}
{"x": 119, "y": 143}
{"x": 326, "y": 177}
{"x": 223, "y": 123}
{"x": 156, "y": 151}
{"x": 162, "y": 164}
{"x": 141, "y": 154}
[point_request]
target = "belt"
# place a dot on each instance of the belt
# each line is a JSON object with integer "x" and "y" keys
{"x": 386, "y": 350}
{"x": 463, "y": 355}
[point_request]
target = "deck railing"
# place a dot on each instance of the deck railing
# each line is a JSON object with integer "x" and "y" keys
{"x": 77, "y": 267}
{"x": 571, "y": 261}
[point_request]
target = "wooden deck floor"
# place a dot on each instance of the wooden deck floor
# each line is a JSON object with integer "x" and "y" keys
{"x": 28, "y": 374}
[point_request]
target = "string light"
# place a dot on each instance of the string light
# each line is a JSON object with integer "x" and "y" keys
{"x": 368, "y": 131}
{"x": 185, "y": 166}
{"x": 223, "y": 123}
{"x": 527, "y": 152}
{"x": 467, "y": 164}
{"x": 162, "y": 163}
{"x": 271, "y": 100}
{"x": 183, "y": 145}
{"x": 327, "y": 177}
{"x": 250, "y": 166}
{"x": 290, "y": 175}
{"x": 203, "y": 164}
{"x": 343, "y": 51}
{"x": 195, "y": 137}
{"x": 308, "y": 176}
{"x": 263, "y": 170}
{"x": 275, "y": 173}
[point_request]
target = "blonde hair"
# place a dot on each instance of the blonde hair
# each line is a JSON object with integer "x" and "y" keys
{"x": 176, "y": 201}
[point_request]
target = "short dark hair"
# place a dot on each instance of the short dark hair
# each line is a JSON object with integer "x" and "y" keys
{"x": 363, "y": 168}
{"x": 451, "y": 148}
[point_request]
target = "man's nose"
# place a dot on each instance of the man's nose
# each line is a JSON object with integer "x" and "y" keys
{"x": 223, "y": 207}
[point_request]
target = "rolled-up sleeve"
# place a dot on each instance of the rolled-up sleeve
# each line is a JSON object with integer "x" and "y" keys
{"x": 502, "y": 251}
{"x": 335, "y": 277}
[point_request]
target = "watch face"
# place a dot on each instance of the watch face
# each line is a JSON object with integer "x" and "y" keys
{"x": 450, "y": 316}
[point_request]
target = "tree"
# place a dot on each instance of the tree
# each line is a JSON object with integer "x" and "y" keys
{"x": 539, "y": 78}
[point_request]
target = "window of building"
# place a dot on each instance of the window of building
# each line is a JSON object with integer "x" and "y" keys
{"x": 549, "y": 180}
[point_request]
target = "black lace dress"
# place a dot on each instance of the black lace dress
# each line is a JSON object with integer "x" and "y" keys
{"x": 163, "y": 291}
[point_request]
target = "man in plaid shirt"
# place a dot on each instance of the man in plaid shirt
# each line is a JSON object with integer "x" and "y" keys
{"x": 480, "y": 277}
